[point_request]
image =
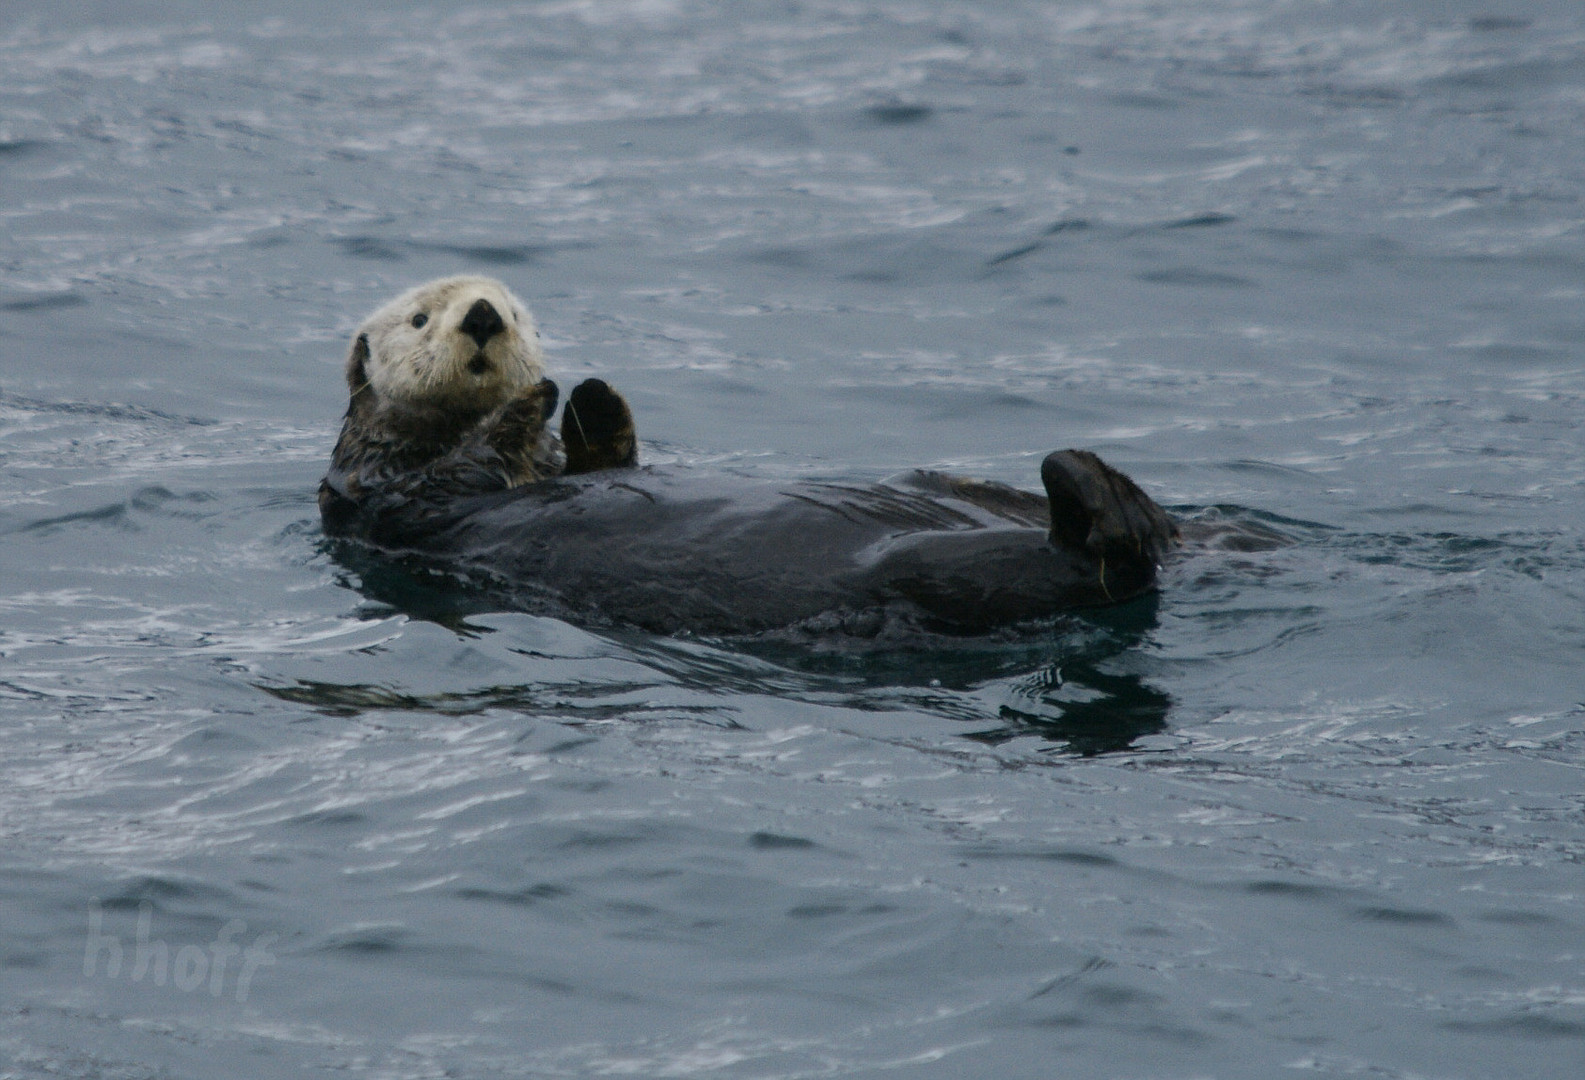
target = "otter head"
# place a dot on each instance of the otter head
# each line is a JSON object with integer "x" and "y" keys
{"x": 453, "y": 350}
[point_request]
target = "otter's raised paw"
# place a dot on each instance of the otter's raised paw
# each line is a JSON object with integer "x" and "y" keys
{"x": 1097, "y": 509}
{"x": 597, "y": 429}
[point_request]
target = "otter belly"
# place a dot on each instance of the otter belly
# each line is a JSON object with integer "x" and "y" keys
{"x": 669, "y": 550}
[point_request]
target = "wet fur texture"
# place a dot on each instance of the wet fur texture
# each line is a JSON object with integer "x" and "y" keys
{"x": 446, "y": 455}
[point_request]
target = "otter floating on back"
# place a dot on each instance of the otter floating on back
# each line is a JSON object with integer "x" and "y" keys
{"x": 446, "y": 454}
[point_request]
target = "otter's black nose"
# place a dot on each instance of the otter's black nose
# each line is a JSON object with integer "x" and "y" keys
{"x": 482, "y": 322}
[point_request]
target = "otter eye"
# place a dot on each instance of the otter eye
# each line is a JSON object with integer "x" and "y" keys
{"x": 420, "y": 319}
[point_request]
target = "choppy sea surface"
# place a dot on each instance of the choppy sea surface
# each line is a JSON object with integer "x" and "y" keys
{"x": 1315, "y": 266}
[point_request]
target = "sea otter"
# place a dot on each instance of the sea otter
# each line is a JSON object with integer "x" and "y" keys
{"x": 446, "y": 455}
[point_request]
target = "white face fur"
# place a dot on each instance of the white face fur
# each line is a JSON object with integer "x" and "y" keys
{"x": 424, "y": 353}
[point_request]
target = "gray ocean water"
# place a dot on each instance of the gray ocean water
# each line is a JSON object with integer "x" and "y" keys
{"x": 1317, "y": 810}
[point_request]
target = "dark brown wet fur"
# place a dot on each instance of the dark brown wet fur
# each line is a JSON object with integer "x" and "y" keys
{"x": 688, "y": 550}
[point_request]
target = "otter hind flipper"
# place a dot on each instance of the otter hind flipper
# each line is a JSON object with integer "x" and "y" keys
{"x": 597, "y": 429}
{"x": 1097, "y": 509}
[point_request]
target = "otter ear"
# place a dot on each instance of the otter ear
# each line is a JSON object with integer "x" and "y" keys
{"x": 357, "y": 377}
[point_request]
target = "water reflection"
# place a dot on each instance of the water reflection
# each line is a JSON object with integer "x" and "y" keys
{"x": 413, "y": 587}
{"x": 1086, "y": 710}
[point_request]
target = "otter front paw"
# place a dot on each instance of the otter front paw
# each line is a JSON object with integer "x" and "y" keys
{"x": 597, "y": 429}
